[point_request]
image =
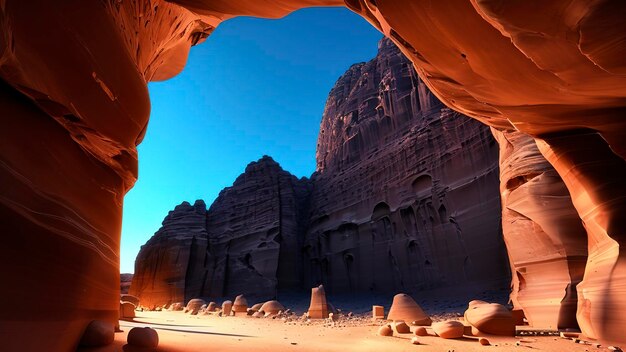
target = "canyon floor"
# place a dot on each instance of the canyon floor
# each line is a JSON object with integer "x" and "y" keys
{"x": 180, "y": 332}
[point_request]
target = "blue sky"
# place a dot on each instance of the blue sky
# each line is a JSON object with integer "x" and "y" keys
{"x": 255, "y": 87}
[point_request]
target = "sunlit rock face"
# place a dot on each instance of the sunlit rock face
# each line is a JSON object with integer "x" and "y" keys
{"x": 166, "y": 263}
{"x": 554, "y": 71}
{"x": 546, "y": 240}
{"x": 248, "y": 242}
{"x": 405, "y": 197}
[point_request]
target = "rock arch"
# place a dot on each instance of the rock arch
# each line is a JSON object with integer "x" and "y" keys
{"x": 74, "y": 106}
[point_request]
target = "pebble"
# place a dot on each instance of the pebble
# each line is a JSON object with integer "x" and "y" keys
{"x": 415, "y": 341}
{"x": 483, "y": 341}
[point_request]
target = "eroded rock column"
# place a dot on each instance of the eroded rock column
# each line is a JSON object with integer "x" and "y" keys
{"x": 595, "y": 177}
{"x": 73, "y": 106}
{"x": 545, "y": 239}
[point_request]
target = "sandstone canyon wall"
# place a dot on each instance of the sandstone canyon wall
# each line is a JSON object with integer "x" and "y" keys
{"x": 75, "y": 105}
{"x": 405, "y": 195}
{"x": 247, "y": 242}
{"x": 405, "y": 198}
{"x": 545, "y": 237}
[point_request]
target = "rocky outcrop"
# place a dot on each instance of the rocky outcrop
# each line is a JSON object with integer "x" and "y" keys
{"x": 247, "y": 242}
{"x": 75, "y": 105}
{"x": 169, "y": 267}
{"x": 405, "y": 197}
{"x": 253, "y": 230}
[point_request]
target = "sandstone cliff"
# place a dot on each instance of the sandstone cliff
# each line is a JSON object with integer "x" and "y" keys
{"x": 247, "y": 242}
{"x": 255, "y": 231}
{"x": 405, "y": 197}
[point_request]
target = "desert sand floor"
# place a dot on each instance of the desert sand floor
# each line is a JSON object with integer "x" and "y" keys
{"x": 180, "y": 332}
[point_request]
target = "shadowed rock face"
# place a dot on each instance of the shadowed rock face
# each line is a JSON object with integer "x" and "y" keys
{"x": 247, "y": 242}
{"x": 164, "y": 262}
{"x": 553, "y": 71}
{"x": 254, "y": 229}
{"x": 405, "y": 196}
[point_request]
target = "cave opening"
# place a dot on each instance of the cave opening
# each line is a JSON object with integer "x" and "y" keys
{"x": 555, "y": 107}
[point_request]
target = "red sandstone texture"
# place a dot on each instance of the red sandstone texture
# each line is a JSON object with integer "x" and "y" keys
{"x": 75, "y": 105}
{"x": 392, "y": 206}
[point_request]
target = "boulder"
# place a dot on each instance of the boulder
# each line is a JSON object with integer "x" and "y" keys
{"x": 450, "y": 329}
{"x": 405, "y": 308}
{"x": 98, "y": 333}
{"x": 490, "y": 318}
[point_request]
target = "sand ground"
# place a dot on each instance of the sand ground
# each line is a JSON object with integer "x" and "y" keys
{"x": 180, "y": 332}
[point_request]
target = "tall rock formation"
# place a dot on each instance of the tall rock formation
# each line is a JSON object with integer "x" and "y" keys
{"x": 247, "y": 242}
{"x": 545, "y": 237}
{"x": 405, "y": 195}
{"x": 254, "y": 230}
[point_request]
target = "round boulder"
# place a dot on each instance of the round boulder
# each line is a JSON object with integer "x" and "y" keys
{"x": 450, "y": 329}
{"x": 98, "y": 333}
{"x": 385, "y": 330}
{"x": 490, "y": 318}
{"x": 143, "y": 337}
{"x": 272, "y": 307}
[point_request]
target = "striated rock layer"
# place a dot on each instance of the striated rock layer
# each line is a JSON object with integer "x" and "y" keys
{"x": 404, "y": 198}
{"x": 405, "y": 195}
{"x": 78, "y": 96}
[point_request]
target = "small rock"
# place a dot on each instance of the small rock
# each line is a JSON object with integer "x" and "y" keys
{"x": 451, "y": 329}
{"x": 385, "y": 330}
{"x": 143, "y": 337}
{"x": 98, "y": 333}
{"x": 568, "y": 335}
{"x": 421, "y": 331}
{"x": 401, "y": 327}
{"x": 415, "y": 341}
{"x": 614, "y": 348}
{"x": 226, "y": 308}
{"x": 483, "y": 341}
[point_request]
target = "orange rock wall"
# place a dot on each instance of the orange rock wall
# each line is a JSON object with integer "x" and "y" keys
{"x": 545, "y": 238}
{"x": 552, "y": 70}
